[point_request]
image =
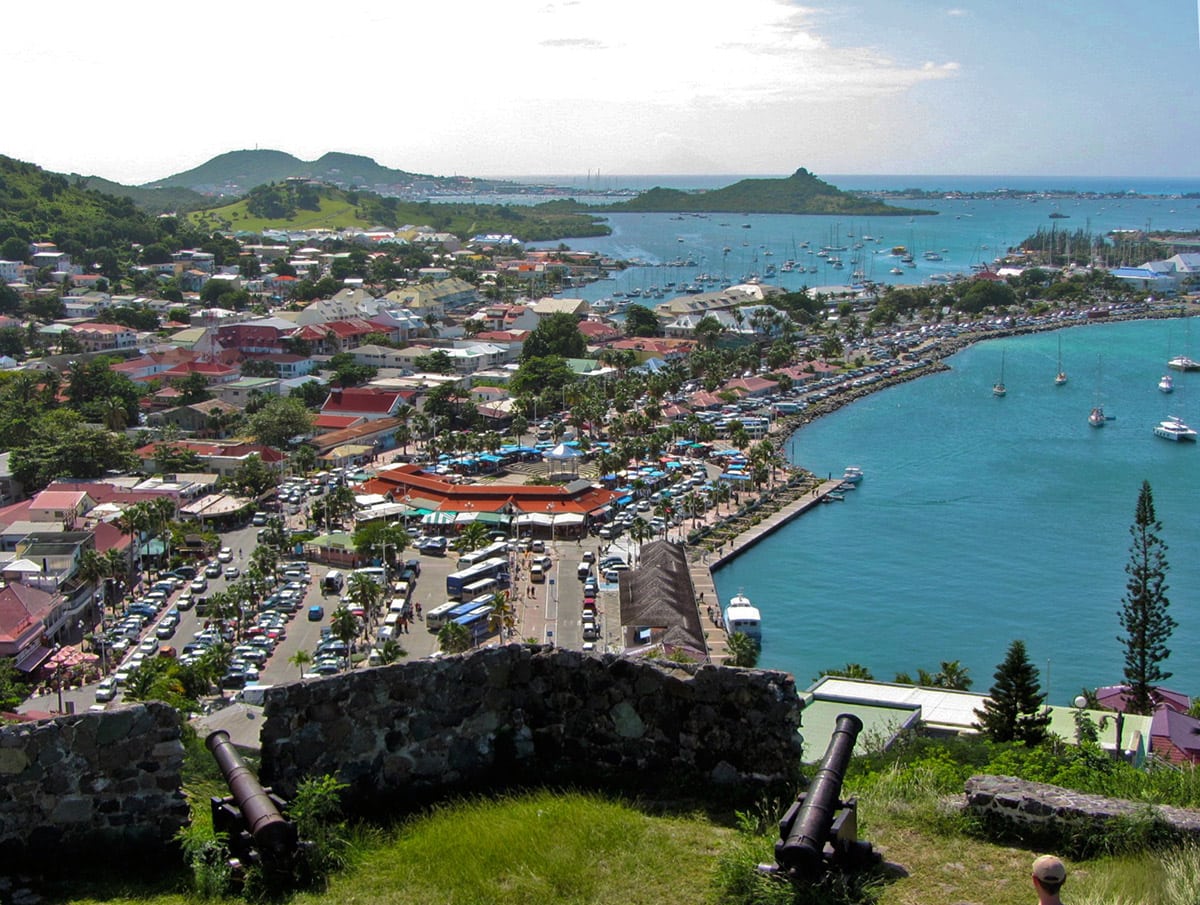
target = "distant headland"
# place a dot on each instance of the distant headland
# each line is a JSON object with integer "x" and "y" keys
{"x": 800, "y": 193}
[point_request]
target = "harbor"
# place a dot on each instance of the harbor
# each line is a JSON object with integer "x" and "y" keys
{"x": 702, "y": 566}
{"x": 961, "y": 540}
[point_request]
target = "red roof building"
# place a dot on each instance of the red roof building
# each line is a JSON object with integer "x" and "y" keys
{"x": 369, "y": 403}
{"x": 211, "y": 371}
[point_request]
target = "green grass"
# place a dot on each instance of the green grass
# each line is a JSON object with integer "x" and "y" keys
{"x": 334, "y": 213}
{"x": 571, "y": 848}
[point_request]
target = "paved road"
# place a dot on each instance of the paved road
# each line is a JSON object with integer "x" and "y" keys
{"x": 551, "y": 615}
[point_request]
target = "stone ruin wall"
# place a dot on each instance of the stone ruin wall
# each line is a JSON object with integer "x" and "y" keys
{"x": 72, "y": 782}
{"x": 100, "y": 782}
{"x": 1034, "y": 809}
{"x": 417, "y": 731}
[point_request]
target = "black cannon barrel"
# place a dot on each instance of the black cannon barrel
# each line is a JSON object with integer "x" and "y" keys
{"x": 803, "y": 847}
{"x": 270, "y": 830}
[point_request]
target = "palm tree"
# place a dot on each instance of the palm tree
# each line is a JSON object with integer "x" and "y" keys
{"x": 365, "y": 592}
{"x": 391, "y": 651}
{"x": 473, "y": 536}
{"x": 640, "y": 531}
{"x": 92, "y": 569}
{"x": 132, "y": 521}
{"x": 744, "y": 650}
{"x": 454, "y": 638}
{"x": 502, "y": 618}
{"x": 300, "y": 659}
{"x": 344, "y": 625}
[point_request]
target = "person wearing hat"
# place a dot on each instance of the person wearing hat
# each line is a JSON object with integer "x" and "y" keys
{"x": 1049, "y": 874}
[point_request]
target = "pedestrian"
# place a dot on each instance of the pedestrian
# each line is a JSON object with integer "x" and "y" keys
{"x": 1049, "y": 874}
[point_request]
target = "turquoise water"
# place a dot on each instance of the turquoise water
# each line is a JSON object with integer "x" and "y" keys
{"x": 981, "y": 520}
{"x": 964, "y": 232}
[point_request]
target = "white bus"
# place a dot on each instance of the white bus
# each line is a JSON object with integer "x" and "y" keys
{"x": 485, "y": 587}
{"x": 436, "y": 618}
{"x": 375, "y": 573}
{"x": 500, "y": 548}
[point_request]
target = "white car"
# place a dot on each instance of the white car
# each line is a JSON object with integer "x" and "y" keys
{"x": 225, "y": 555}
{"x": 106, "y": 690}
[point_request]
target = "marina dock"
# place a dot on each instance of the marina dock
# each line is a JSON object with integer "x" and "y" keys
{"x": 701, "y": 570}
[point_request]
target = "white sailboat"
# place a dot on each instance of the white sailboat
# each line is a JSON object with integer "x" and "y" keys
{"x": 1061, "y": 377}
{"x": 998, "y": 388}
{"x": 1096, "y": 417}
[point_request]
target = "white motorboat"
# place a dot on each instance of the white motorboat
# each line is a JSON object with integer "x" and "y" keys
{"x": 1183, "y": 363}
{"x": 742, "y": 616}
{"x": 1096, "y": 417}
{"x": 852, "y": 475}
{"x": 1167, "y": 384}
{"x": 1175, "y": 430}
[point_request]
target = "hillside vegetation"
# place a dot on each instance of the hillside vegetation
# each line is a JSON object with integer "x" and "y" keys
{"x": 295, "y": 206}
{"x": 166, "y": 200}
{"x": 800, "y": 193}
{"x": 36, "y": 205}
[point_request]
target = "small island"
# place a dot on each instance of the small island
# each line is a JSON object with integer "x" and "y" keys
{"x": 800, "y": 193}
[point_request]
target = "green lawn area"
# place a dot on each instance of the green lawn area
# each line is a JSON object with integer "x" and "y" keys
{"x": 334, "y": 213}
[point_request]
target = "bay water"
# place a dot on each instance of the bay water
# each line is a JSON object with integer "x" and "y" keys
{"x": 986, "y": 519}
{"x": 980, "y": 520}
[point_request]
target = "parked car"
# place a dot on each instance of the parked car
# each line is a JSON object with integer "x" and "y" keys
{"x": 106, "y": 690}
{"x": 316, "y": 613}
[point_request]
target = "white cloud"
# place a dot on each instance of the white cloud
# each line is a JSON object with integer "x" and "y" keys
{"x": 956, "y": 12}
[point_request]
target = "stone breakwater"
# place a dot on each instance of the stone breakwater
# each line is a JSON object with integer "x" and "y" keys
{"x": 521, "y": 714}
{"x": 91, "y": 783}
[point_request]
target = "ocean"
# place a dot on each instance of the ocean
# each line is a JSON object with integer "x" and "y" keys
{"x": 980, "y": 520}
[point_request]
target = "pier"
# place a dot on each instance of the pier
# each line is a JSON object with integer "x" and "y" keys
{"x": 701, "y": 569}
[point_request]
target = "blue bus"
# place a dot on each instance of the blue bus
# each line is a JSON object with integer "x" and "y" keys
{"x": 476, "y": 621}
{"x": 457, "y": 582}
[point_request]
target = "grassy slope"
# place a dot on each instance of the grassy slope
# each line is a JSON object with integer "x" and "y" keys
{"x": 581, "y": 849}
{"x": 335, "y": 213}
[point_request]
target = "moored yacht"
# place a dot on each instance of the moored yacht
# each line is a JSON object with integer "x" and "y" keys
{"x": 1183, "y": 363}
{"x": 742, "y": 616}
{"x": 1167, "y": 384}
{"x": 1096, "y": 417}
{"x": 1175, "y": 430}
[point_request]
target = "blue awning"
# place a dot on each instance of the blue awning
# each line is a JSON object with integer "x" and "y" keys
{"x": 490, "y": 458}
{"x": 729, "y": 476}
{"x": 624, "y": 500}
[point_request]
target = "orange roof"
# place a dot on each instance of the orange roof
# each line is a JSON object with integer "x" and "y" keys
{"x": 410, "y": 480}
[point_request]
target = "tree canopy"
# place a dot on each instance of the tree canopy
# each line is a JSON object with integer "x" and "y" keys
{"x": 557, "y": 334}
{"x": 1145, "y": 619}
{"x": 281, "y": 419}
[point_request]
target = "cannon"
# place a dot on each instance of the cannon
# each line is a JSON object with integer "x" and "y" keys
{"x": 819, "y": 830}
{"x": 250, "y": 816}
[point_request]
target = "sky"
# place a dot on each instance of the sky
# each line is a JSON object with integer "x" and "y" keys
{"x": 134, "y": 90}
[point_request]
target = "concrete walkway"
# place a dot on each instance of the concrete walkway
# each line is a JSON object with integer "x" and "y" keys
{"x": 701, "y": 570}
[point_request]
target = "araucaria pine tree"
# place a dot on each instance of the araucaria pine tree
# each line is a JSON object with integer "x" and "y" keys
{"x": 1013, "y": 710}
{"x": 1144, "y": 617}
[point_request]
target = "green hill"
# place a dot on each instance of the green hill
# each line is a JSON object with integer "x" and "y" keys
{"x": 37, "y": 205}
{"x": 293, "y": 206}
{"x": 237, "y": 172}
{"x": 172, "y": 199}
{"x": 800, "y": 193}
